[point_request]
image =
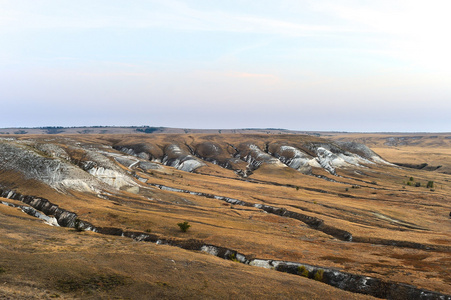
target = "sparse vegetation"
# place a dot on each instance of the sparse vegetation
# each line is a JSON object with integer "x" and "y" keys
{"x": 246, "y": 229}
{"x": 430, "y": 184}
{"x": 184, "y": 226}
{"x": 2, "y": 270}
{"x": 90, "y": 283}
{"x": 319, "y": 275}
{"x": 233, "y": 258}
{"x": 303, "y": 271}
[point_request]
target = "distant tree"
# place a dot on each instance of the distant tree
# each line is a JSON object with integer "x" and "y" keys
{"x": 53, "y": 130}
{"x": 149, "y": 129}
{"x": 20, "y": 132}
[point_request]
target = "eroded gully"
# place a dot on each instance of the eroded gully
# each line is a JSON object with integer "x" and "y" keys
{"x": 343, "y": 280}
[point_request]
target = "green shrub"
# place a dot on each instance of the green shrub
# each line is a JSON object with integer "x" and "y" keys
{"x": 319, "y": 275}
{"x": 411, "y": 178}
{"x": 302, "y": 271}
{"x": 430, "y": 185}
{"x": 2, "y": 270}
{"x": 184, "y": 226}
{"x": 418, "y": 184}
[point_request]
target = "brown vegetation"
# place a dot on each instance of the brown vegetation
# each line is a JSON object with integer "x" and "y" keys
{"x": 400, "y": 233}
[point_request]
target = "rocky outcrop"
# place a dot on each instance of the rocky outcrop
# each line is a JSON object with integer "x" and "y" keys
{"x": 255, "y": 156}
{"x": 293, "y": 157}
{"x": 176, "y": 157}
{"x": 70, "y": 168}
{"x": 246, "y": 157}
{"x": 64, "y": 218}
{"x": 142, "y": 150}
{"x": 58, "y": 173}
{"x": 170, "y": 155}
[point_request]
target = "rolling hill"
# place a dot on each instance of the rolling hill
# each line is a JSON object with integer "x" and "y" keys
{"x": 356, "y": 212}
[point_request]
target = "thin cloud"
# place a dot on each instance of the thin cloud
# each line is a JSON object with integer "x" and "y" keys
{"x": 173, "y": 15}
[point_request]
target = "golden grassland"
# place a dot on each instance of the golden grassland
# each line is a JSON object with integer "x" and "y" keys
{"x": 42, "y": 262}
{"x": 374, "y": 203}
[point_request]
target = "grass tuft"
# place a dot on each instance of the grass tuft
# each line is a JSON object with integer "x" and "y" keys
{"x": 91, "y": 283}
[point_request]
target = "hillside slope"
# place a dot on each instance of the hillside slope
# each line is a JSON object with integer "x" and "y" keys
{"x": 275, "y": 201}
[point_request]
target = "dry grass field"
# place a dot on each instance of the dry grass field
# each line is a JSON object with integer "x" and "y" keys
{"x": 400, "y": 232}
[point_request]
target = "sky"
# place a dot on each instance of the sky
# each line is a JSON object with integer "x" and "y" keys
{"x": 341, "y": 65}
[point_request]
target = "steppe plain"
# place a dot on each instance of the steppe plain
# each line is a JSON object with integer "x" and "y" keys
{"x": 139, "y": 182}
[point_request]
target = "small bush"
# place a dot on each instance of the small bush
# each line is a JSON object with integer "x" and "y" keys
{"x": 411, "y": 178}
{"x": 2, "y": 270}
{"x": 430, "y": 185}
{"x": 148, "y": 230}
{"x": 418, "y": 184}
{"x": 303, "y": 271}
{"x": 319, "y": 275}
{"x": 184, "y": 226}
{"x": 409, "y": 183}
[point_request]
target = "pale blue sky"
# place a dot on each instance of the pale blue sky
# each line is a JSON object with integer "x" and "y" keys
{"x": 345, "y": 65}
